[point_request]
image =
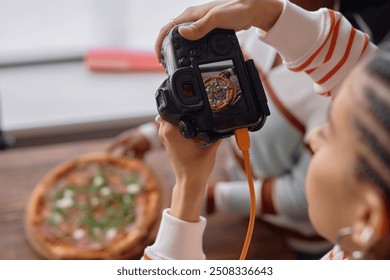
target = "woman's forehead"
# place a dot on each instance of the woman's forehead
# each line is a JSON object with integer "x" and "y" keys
{"x": 349, "y": 101}
{"x": 354, "y": 85}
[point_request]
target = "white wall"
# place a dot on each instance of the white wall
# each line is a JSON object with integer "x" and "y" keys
{"x": 34, "y": 29}
{"x": 55, "y": 96}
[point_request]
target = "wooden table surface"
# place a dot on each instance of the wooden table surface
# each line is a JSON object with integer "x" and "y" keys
{"x": 22, "y": 168}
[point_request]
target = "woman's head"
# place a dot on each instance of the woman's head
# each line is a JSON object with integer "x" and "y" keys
{"x": 348, "y": 182}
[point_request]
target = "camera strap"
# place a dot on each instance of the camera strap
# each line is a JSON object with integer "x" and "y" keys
{"x": 243, "y": 143}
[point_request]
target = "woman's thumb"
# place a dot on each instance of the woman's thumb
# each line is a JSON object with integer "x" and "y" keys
{"x": 194, "y": 31}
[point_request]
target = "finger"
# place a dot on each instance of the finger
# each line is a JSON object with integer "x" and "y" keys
{"x": 197, "y": 29}
{"x": 161, "y": 131}
{"x": 158, "y": 119}
{"x": 160, "y": 38}
{"x": 189, "y": 15}
{"x": 213, "y": 16}
{"x": 169, "y": 133}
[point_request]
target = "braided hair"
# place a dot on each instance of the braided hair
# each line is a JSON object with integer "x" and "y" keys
{"x": 373, "y": 162}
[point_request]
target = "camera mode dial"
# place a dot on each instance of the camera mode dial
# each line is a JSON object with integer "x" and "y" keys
{"x": 220, "y": 44}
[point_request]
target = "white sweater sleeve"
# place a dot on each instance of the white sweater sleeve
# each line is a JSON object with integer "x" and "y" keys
{"x": 233, "y": 197}
{"x": 285, "y": 195}
{"x": 321, "y": 43}
{"x": 177, "y": 240}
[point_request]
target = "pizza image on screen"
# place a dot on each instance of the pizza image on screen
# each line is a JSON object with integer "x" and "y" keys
{"x": 96, "y": 206}
{"x": 220, "y": 92}
{"x": 222, "y": 87}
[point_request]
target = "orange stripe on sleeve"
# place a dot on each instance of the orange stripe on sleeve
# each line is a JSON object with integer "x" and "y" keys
{"x": 332, "y": 45}
{"x": 342, "y": 61}
{"x": 314, "y": 55}
{"x": 333, "y": 42}
{"x": 327, "y": 94}
{"x": 366, "y": 41}
{"x": 146, "y": 257}
{"x": 267, "y": 203}
{"x": 331, "y": 254}
{"x": 310, "y": 70}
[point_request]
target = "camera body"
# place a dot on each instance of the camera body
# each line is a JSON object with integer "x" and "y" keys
{"x": 210, "y": 90}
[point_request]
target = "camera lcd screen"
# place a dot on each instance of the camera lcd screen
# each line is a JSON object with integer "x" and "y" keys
{"x": 222, "y": 88}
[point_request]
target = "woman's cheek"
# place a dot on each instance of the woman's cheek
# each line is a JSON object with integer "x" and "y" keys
{"x": 316, "y": 193}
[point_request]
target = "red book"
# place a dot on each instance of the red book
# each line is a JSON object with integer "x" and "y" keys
{"x": 120, "y": 60}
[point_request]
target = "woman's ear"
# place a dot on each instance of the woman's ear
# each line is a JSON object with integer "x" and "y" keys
{"x": 372, "y": 221}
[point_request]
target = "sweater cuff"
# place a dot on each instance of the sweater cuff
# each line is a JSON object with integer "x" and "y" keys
{"x": 296, "y": 34}
{"x": 178, "y": 240}
{"x": 234, "y": 197}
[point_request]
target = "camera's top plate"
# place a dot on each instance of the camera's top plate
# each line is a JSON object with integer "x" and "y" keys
{"x": 217, "y": 44}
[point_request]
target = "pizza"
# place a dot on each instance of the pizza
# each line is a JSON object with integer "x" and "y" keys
{"x": 220, "y": 92}
{"x": 96, "y": 206}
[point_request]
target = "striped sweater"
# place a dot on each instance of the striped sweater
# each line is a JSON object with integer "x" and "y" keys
{"x": 325, "y": 46}
{"x": 279, "y": 155}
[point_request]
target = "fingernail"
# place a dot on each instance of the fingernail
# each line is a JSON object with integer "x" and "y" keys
{"x": 188, "y": 29}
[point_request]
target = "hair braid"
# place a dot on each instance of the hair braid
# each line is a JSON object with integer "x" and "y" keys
{"x": 375, "y": 145}
{"x": 374, "y": 166}
{"x": 379, "y": 66}
{"x": 380, "y": 110}
{"x": 366, "y": 170}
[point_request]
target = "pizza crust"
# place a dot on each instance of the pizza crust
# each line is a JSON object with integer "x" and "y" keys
{"x": 130, "y": 245}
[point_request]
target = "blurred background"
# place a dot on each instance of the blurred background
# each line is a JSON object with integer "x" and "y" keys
{"x": 53, "y": 107}
{"x": 48, "y": 94}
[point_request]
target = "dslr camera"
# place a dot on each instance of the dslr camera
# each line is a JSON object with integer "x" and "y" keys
{"x": 210, "y": 90}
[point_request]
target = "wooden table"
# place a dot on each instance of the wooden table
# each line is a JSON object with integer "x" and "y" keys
{"x": 22, "y": 168}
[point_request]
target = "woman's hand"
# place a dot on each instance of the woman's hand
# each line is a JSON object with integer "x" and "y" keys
{"x": 227, "y": 14}
{"x": 192, "y": 165}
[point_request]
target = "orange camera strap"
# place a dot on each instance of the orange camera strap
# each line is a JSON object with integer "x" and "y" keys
{"x": 243, "y": 143}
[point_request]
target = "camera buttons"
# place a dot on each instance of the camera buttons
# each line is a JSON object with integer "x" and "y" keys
{"x": 184, "y": 61}
{"x": 187, "y": 129}
{"x": 220, "y": 44}
{"x": 196, "y": 53}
